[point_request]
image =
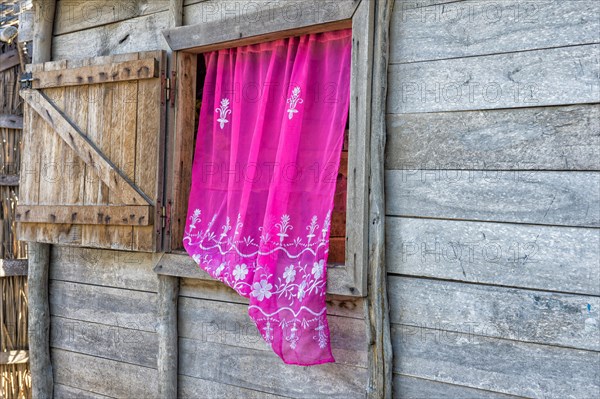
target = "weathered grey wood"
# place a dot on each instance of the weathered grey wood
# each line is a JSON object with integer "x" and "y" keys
{"x": 229, "y": 324}
{"x": 190, "y": 387}
{"x": 264, "y": 371}
{"x": 43, "y": 24}
{"x": 25, "y": 22}
{"x": 541, "y": 257}
{"x": 256, "y": 23}
{"x": 39, "y": 320}
{"x": 175, "y": 13}
{"x": 104, "y": 377}
{"x": 14, "y": 357}
{"x": 9, "y": 180}
{"x": 8, "y": 60}
{"x": 557, "y": 76}
{"x": 116, "y": 269}
{"x": 131, "y": 35}
{"x": 548, "y": 138}
{"x": 106, "y": 341}
{"x": 379, "y": 350}
{"x": 75, "y": 15}
{"x": 13, "y": 267}
{"x": 340, "y": 279}
{"x": 406, "y": 387}
{"x": 11, "y": 121}
{"x": 468, "y": 28}
{"x": 168, "y": 294}
{"x": 216, "y": 291}
{"x": 556, "y": 198}
{"x": 67, "y": 392}
{"x": 522, "y": 315}
{"x": 111, "y": 306}
{"x": 516, "y": 368}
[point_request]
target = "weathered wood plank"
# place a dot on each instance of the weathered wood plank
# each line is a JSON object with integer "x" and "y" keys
{"x": 13, "y": 267}
{"x": 264, "y": 371}
{"x": 101, "y": 340}
{"x": 216, "y": 291}
{"x": 531, "y": 316}
{"x": 76, "y": 15}
{"x": 67, "y": 392}
{"x": 229, "y": 324}
{"x": 406, "y": 387}
{"x": 88, "y": 75}
{"x": 111, "y": 306}
{"x": 11, "y": 121}
{"x": 516, "y": 368}
{"x": 72, "y": 135}
{"x": 257, "y": 24}
{"x": 190, "y": 387}
{"x": 339, "y": 281}
{"x": 9, "y": 60}
{"x": 14, "y": 357}
{"x": 167, "y": 359}
{"x": 548, "y": 138}
{"x": 468, "y": 28}
{"x": 86, "y": 214}
{"x": 9, "y": 180}
{"x": 115, "y": 269}
{"x": 555, "y": 198}
{"x": 104, "y": 377}
{"x": 559, "y": 76}
{"x": 130, "y": 35}
{"x": 541, "y": 257}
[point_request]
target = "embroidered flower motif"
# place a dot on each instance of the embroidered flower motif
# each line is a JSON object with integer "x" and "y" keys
{"x": 317, "y": 269}
{"x": 290, "y": 274}
{"x": 293, "y": 101}
{"x": 195, "y": 218}
{"x": 220, "y": 269}
{"x": 302, "y": 290}
{"x": 197, "y": 258}
{"x": 240, "y": 271}
{"x": 223, "y": 112}
{"x": 262, "y": 290}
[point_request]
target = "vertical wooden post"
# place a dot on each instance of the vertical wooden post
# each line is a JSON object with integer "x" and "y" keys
{"x": 175, "y": 13}
{"x": 42, "y": 381}
{"x": 168, "y": 294}
{"x": 380, "y": 354}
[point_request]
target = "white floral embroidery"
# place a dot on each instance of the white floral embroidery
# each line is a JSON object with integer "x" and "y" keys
{"x": 220, "y": 269}
{"x": 223, "y": 112}
{"x": 240, "y": 271}
{"x": 262, "y": 290}
{"x": 293, "y": 101}
{"x": 290, "y": 274}
{"x": 317, "y": 269}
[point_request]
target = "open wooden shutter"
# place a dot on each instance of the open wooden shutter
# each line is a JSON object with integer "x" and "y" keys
{"x": 92, "y": 165}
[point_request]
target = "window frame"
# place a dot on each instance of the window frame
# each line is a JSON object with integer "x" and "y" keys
{"x": 312, "y": 16}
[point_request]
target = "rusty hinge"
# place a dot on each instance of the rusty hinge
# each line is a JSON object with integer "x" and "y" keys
{"x": 171, "y": 84}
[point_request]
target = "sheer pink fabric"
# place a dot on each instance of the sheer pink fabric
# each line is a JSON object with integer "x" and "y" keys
{"x": 267, "y": 156}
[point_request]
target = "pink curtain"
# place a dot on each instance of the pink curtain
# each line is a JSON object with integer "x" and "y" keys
{"x": 267, "y": 156}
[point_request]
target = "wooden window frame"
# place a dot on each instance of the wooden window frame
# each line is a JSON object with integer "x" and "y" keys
{"x": 312, "y": 16}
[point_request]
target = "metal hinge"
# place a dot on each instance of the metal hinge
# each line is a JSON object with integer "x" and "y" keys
{"x": 165, "y": 216}
{"x": 25, "y": 80}
{"x": 168, "y": 89}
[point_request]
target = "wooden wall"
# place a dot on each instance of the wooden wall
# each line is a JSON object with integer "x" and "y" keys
{"x": 492, "y": 191}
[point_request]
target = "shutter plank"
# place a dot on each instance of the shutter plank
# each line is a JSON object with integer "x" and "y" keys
{"x": 86, "y": 75}
{"x": 114, "y": 178}
{"x": 89, "y": 214}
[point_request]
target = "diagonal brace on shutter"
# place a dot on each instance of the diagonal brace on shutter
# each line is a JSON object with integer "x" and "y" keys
{"x": 109, "y": 173}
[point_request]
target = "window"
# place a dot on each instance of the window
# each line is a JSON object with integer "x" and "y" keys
{"x": 347, "y": 274}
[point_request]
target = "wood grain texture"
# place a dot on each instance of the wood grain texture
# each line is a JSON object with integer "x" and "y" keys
{"x": 102, "y": 376}
{"x": 11, "y": 121}
{"x": 9, "y": 180}
{"x": 558, "y": 76}
{"x": 88, "y": 75}
{"x": 493, "y": 364}
{"x": 216, "y": 291}
{"x": 530, "y": 316}
{"x": 114, "y": 269}
{"x": 167, "y": 360}
{"x": 255, "y": 23}
{"x": 190, "y": 387}
{"x": 67, "y": 392}
{"x": 264, "y": 371}
{"x": 544, "y": 138}
{"x": 106, "y": 341}
{"x": 38, "y": 332}
{"x": 135, "y": 310}
{"x": 229, "y": 324}
{"x": 13, "y": 267}
{"x": 88, "y": 214}
{"x": 407, "y": 387}
{"x": 136, "y": 34}
{"x": 8, "y": 60}
{"x": 540, "y": 257}
{"x": 469, "y": 28}
{"x": 553, "y": 198}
